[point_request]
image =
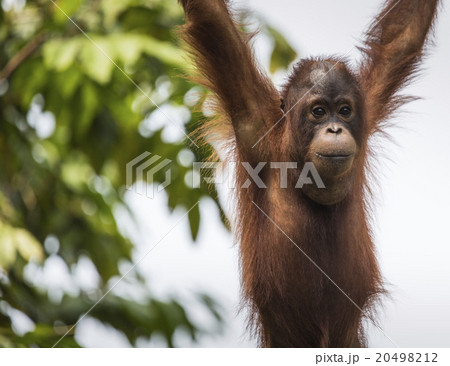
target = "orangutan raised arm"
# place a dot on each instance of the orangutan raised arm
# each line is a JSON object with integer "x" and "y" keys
{"x": 393, "y": 48}
{"x": 225, "y": 61}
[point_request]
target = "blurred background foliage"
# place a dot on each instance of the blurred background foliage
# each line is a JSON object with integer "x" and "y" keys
{"x": 70, "y": 120}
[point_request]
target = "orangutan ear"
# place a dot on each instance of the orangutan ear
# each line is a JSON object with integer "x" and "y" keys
{"x": 282, "y": 105}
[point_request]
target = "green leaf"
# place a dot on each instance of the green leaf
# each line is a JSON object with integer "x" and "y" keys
{"x": 7, "y": 248}
{"x": 17, "y": 240}
{"x": 283, "y": 54}
{"x": 60, "y": 54}
{"x": 129, "y": 46}
{"x": 96, "y": 59}
{"x": 194, "y": 221}
{"x": 64, "y": 9}
{"x": 165, "y": 52}
{"x": 45, "y": 336}
{"x": 215, "y": 309}
{"x": 30, "y": 79}
{"x": 27, "y": 245}
{"x": 68, "y": 82}
{"x": 75, "y": 173}
{"x": 89, "y": 107}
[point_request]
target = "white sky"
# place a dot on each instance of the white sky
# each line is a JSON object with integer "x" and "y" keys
{"x": 412, "y": 217}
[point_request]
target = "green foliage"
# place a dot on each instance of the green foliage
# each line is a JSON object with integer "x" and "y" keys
{"x": 16, "y": 241}
{"x": 283, "y": 54}
{"x": 61, "y": 181}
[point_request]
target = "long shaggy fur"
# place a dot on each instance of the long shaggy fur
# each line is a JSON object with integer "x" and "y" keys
{"x": 292, "y": 302}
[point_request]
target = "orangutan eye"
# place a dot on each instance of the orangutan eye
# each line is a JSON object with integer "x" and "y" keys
{"x": 319, "y": 112}
{"x": 345, "y": 111}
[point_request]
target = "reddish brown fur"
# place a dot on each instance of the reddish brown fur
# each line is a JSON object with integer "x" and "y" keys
{"x": 292, "y": 303}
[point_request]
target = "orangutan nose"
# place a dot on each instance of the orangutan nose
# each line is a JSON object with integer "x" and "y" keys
{"x": 334, "y": 128}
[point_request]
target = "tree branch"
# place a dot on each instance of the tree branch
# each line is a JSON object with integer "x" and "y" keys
{"x": 21, "y": 56}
